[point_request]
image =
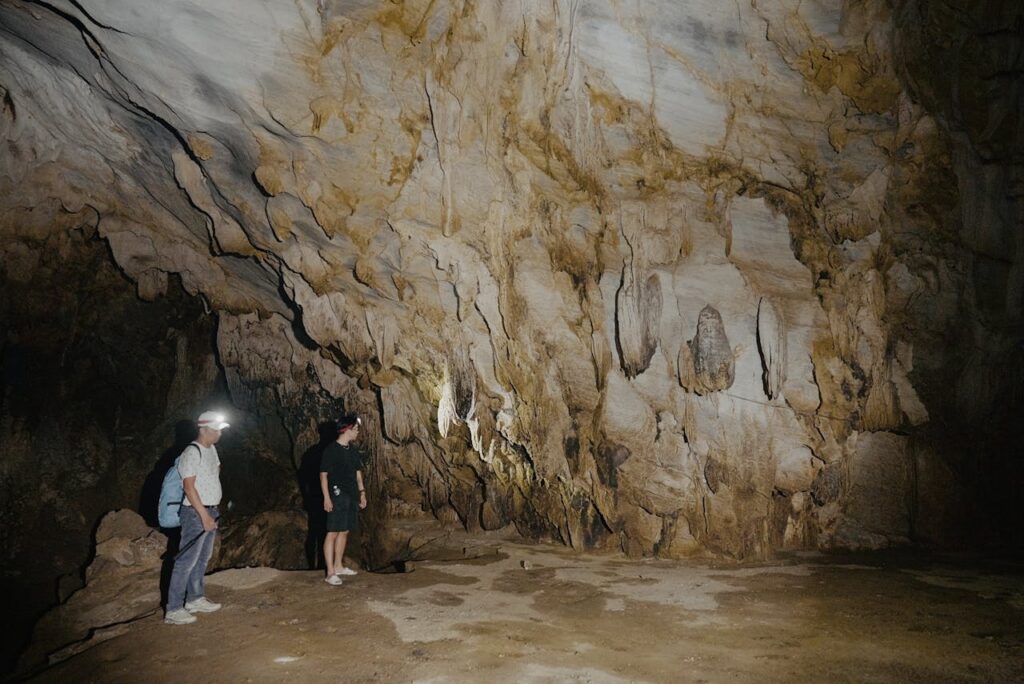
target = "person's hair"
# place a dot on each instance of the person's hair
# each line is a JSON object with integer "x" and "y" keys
{"x": 347, "y": 422}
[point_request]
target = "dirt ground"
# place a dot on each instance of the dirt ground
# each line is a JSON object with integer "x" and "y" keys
{"x": 539, "y": 613}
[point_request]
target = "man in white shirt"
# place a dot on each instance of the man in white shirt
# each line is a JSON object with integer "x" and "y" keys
{"x": 199, "y": 467}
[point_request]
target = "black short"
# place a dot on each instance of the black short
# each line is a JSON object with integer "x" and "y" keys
{"x": 345, "y": 516}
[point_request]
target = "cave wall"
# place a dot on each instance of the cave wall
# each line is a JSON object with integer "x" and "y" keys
{"x": 972, "y": 372}
{"x": 98, "y": 394}
{"x": 93, "y": 383}
{"x": 664, "y": 277}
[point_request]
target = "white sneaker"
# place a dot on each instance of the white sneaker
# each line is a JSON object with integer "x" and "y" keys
{"x": 201, "y": 605}
{"x": 346, "y": 571}
{"x": 179, "y": 617}
{"x": 333, "y": 580}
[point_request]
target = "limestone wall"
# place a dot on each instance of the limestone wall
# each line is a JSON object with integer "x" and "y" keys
{"x": 659, "y": 276}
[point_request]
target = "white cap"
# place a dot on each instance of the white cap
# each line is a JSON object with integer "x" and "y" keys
{"x": 212, "y": 420}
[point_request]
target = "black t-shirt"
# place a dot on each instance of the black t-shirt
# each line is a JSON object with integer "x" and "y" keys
{"x": 341, "y": 464}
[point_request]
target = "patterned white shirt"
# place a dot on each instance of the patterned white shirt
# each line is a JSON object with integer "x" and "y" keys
{"x": 202, "y": 463}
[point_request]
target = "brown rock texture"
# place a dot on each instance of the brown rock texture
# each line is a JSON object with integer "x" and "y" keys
{"x": 494, "y": 229}
{"x": 122, "y": 584}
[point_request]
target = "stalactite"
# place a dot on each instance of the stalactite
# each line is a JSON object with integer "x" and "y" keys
{"x": 713, "y": 362}
{"x": 771, "y": 343}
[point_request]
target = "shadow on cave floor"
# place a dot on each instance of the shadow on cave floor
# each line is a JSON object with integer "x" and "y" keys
{"x": 536, "y": 612}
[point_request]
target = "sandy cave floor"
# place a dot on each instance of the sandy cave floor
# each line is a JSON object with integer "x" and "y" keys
{"x": 539, "y": 613}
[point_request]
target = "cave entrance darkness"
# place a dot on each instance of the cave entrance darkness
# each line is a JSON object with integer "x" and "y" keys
{"x": 98, "y": 395}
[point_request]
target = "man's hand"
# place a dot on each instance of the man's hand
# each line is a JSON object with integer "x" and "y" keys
{"x": 189, "y": 485}
{"x": 328, "y": 505}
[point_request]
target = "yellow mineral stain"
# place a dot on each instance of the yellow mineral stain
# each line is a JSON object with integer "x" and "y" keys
{"x": 402, "y": 167}
{"x": 858, "y": 74}
{"x": 333, "y": 34}
{"x": 323, "y": 108}
{"x": 401, "y": 284}
{"x": 329, "y": 220}
{"x": 409, "y": 18}
{"x": 549, "y": 153}
{"x": 658, "y": 160}
{"x": 271, "y": 167}
{"x": 614, "y": 109}
{"x": 269, "y": 180}
{"x": 201, "y": 147}
{"x": 281, "y": 223}
{"x": 365, "y": 273}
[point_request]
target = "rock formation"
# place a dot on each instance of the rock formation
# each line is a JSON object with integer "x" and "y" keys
{"x": 492, "y": 228}
{"x": 123, "y": 585}
{"x": 714, "y": 367}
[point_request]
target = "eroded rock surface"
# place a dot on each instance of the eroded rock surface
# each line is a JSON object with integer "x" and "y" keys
{"x": 122, "y": 584}
{"x": 491, "y": 229}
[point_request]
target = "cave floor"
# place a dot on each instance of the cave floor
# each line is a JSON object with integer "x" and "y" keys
{"x": 539, "y": 613}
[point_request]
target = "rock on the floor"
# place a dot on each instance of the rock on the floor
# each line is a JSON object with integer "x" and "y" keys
{"x": 122, "y": 584}
{"x": 242, "y": 578}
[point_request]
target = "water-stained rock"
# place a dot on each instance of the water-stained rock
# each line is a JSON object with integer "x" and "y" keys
{"x": 475, "y": 225}
{"x": 610, "y": 458}
{"x": 714, "y": 365}
{"x": 771, "y": 343}
{"x": 638, "y": 313}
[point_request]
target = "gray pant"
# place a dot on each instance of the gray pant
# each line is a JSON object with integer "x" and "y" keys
{"x": 191, "y": 561}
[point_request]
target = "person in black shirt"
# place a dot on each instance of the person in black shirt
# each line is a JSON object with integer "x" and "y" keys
{"x": 341, "y": 481}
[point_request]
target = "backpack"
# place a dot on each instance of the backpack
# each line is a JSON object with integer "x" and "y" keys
{"x": 172, "y": 494}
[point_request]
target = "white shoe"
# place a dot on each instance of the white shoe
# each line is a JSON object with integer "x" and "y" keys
{"x": 346, "y": 571}
{"x": 179, "y": 617}
{"x": 333, "y": 580}
{"x": 201, "y": 605}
